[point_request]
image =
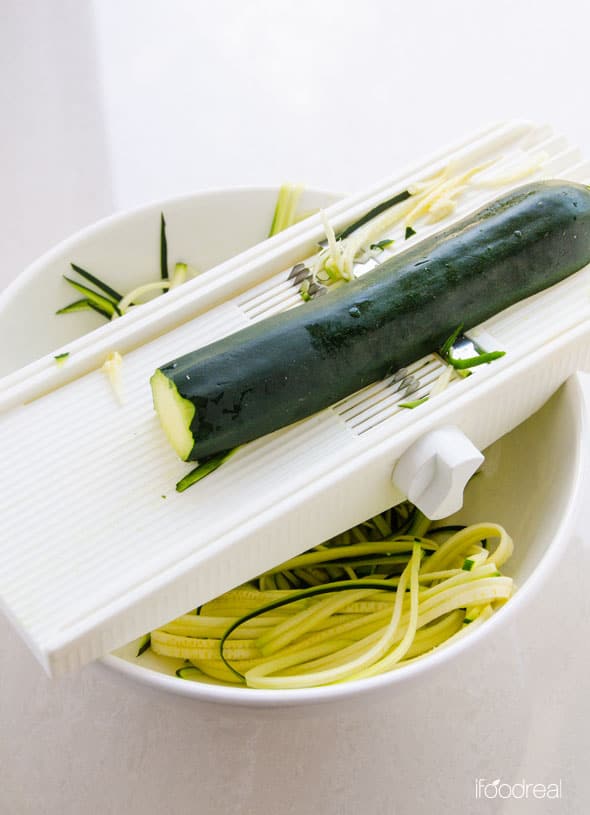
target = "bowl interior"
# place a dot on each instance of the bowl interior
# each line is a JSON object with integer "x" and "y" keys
{"x": 202, "y": 229}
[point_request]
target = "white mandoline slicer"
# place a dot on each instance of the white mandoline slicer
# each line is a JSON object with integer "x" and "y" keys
{"x": 93, "y": 555}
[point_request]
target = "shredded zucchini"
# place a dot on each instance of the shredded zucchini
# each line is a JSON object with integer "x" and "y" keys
{"x": 203, "y": 469}
{"x": 372, "y": 599}
{"x": 112, "y": 367}
{"x": 432, "y": 199}
{"x": 285, "y": 214}
{"x": 429, "y": 200}
{"x": 108, "y": 302}
{"x": 516, "y": 172}
{"x": 60, "y": 359}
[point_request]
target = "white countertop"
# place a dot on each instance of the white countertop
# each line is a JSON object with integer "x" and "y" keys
{"x": 108, "y": 105}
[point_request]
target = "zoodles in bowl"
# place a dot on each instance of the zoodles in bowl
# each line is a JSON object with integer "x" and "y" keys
{"x": 375, "y": 598}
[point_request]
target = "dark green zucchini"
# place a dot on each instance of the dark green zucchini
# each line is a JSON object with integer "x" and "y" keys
{"x": 294, "y": 364}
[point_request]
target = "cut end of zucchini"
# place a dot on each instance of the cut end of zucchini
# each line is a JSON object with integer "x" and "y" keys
{"x": 175, "y": 414}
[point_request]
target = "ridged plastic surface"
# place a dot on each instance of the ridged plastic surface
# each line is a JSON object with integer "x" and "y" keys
{"x": 97, "y": 545}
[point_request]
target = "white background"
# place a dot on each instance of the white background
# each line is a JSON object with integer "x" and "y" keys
{"x": 110, "y": 104}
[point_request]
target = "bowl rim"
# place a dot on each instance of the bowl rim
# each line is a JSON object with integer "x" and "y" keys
{"x": 65, "y": 245}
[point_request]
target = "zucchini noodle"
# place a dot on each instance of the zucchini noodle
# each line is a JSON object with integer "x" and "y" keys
{"x": 433, "y": 198}
{"x": 178, "y": 278}
{"x": 370, "y": 600}
{"x": 112, "y": 367}
{"x": 430, "y": 200}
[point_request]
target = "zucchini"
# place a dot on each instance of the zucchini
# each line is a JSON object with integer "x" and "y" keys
{"x": 296, "y": 363}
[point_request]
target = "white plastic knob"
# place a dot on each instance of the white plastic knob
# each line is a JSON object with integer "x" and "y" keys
{"x": 434, "y": 471}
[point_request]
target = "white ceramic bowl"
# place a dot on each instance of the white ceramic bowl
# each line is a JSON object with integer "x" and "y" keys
{"x": 540, "y": 460}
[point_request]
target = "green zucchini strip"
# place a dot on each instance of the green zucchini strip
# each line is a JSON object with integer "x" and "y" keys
{"x": 98, "y": 301}
{"x": 403, "y": 544}
{"x": 140, "y": 291}
{"x": 77, "y": 305}
{"x": 448, "y": 343}
{"x": 111, "y": 302}
{"x": 203, "y": 470}
{"x": 416, "y": 403}
{"x": 113, "y": 294}
{"x": 143, "y": 644}
{"x": 459, "y": 364}
{"x": 472, "y": 362}
{"x": 419, "y": 525}
{"x": 163, "y": 249}
{"x": 470, "y": 536}
{"x": 285, "y": 208}
{"x": 83, "y": 305}
{"x": 180, "y": 275}
{"x": 373, "y": 213}
{"x": 188, "y": 672}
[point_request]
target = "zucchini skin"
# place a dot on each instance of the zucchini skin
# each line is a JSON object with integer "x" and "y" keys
{"x": 294, "y": 364}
